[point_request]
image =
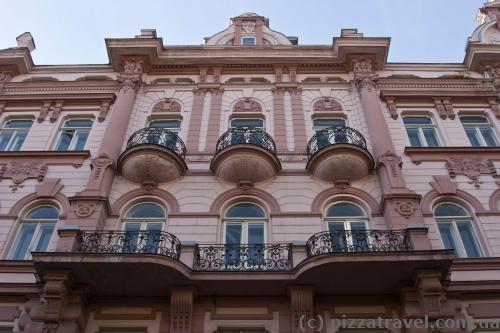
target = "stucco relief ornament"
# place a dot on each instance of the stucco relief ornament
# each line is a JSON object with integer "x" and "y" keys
{"x": 493, "y": 70}
{"x": 391, "y": 161}
{"x": 472, "y": 168}
{"x": 167, "y": 105}
{"x": 19, "y": 171}
{"x": 85, "y": 209}
{"x": 100, "y": 164}
{"x": 248, "y": 27}
{"x": 327, "y": 104}
{"x": 364, "y": 76}
{"x": 247, "y": 105}
{"x": 131, "y": 76}
{"x": 405, "y": 208}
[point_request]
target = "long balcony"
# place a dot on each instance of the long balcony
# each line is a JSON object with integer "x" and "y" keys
{"x": 243, "y": 257}
{"x": 245, "y": 154}
{"x": 339, "y": 153}
{"x": 153, "y": 155}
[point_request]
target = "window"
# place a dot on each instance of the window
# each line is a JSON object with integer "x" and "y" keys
{"x": 143, "y": 224}
{"x": 248, "y": 41}
{"x": 479, "y": 131}
{"x": 14, "y": 133}
{"x": 246, "y": 122}
{"x": 35, "y": 232}
{"x": 421, "y": 131}
{"x": 455, "y": 227}
{"x": 73, "y": 134}
{"x": 322, "y": 123}
{"x": 172, "y": 125}
{"x": 347, "y": 226}
{"x": 244, "y": 223}
{"x": 246, "y": 136}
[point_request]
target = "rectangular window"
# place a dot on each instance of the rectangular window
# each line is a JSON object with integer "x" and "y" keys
{"x": 73, "y": 134}
{"x": 248, "y": 41}
{"x": 421, "y": 132}
{"x": 172, "y": 125}
{"x": 32, "y": 237}
{"x": 242, "y": 122}
{"x": 13, "y": 134}
{"x": 459, "y": 236}
{"x": 479, "y": 130}
{"x": 322, "y": 123}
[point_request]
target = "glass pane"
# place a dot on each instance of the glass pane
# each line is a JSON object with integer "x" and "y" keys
{"x": 359, "y": 237}
{"x": 232, "y": 247}
{"x": 168, "y": 124}
{"x": 448, "y": 209}
{"x": 256, "y": 233}
{"x": 65, "y": 140}
{"x": 344, "y": 209}
{"x": 18, "y": 141}
{"x": 256, "y": 244}
{"x": 447, "y": 237}
{"x": 417, "y": 121}
{"x": 5, "y": 137}
{"x": 413, "y": 136}
{"x": 131, "y": 238}
{"x": 488, "y": 136}
{"x": 78, "y": 123}
{"x": 43, "y": 213}
{"x": 81, "y": 138}
{"x": 338, "y": 239}
{"x": 474, "y": 120}
{"x": 472, "y": 135}
{"x": 233, "y": 233}
{"x": 46, "y": 230}
{"x": 18, "y": 124}
{"x": 245, "y": 209}
{"x": 146, "y": 210}
{"x": 153, "y": 237}
{"x": 259, "y": 123}
{"x": 467, "y": 235}
{"x": 248, "y": 41}
{"x": 431, "y": 137}
{"x": 154, "y": 227}
{"x": 23, "y": 241}
{"x": 324, "y": 123}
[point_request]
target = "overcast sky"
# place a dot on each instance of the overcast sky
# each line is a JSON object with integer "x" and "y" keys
{"x": 73, "y": 32}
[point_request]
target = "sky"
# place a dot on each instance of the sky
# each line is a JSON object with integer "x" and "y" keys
{"x": 73, "y": 32}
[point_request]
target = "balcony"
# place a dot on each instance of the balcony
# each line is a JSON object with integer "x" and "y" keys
{"x": 245, "y": 154}
{"x": 153, "y": 155}
{"x": 244, "y": 257}
{"x": 339, "y": 153}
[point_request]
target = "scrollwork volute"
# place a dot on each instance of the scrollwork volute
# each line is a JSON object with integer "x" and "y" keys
{"x": 472, "y": 168}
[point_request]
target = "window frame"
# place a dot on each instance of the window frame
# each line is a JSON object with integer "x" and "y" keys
{"x": 346, "y": 220}
{"x": 144, "y": 221}
{"x": 76, "y": 130}
{"x": 457, "y": 239}
{"x": 248, "y": 37}
{"x": 16, "y": 131}
{"x": 248, "y": 118}
{"x": 478, "y": 134}
{"x": 176, "y": 130}
{"x": 244, "y": 222}
{"x": 316, "y": 129}
{"x": 421, "y": 136}
{"x": 36, "y": 234}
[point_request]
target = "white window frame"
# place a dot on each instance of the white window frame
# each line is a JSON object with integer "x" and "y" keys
{"x": 462, "y": 253}
{"x": 346, "y": 220}
{"x": 477, "y": 126}
{"x": 245, "y": 221}
{"x": 316, "y": 129}
{"x": 73, "y": 141}
{"x": 16, "y": 130}
{"x": 420, "y": 127}
{"x": 36, "y": 234}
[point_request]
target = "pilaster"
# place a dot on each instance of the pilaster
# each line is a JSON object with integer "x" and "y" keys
{"x": 193, "y": 136}
{"x": 302, "y": 307}
{"x": 214, "y": 120}
{"x": 181, "y": 309}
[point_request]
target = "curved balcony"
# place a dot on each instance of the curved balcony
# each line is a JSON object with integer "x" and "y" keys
{"x": 153, "y": 155}
{"x": 339, "y": 153}
{"x": 243, "y": 257}
{"x": 113, "y": 242}
{"x": 245, "y": 154}
{"x": 357, "y": 241}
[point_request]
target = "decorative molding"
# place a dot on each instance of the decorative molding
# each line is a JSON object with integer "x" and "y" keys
{"x": 327, "y": 104}
{"x": 166, "y": 105}
{"x": 391, "y": 106}
{"x": 431, "y": 198}
{"x": 405, "y": 208}
{"x": 103, "y": 110}
{"x": 364, "y": 75}
{"x": 433, "y": 154}
{"x": 74, "y": 158}
{"x": 321, "y": 199}
{"x": 472, "y": 168}
{"x": 49, "y": 187}
{"x": 302, "y": 306}
{"x": 85, "y": 208}
{"x": 19, "y": 171}
{"x": 429, "y": 289}
{"x": 100, "y": 164}
{"x": 444, "y": 107}
{"x": 392, "y": 162}
{"x": 44, "y": 111}
{"x": 181, "y": 309}
{"x": 424, "y": 85}
{"x": 260, "y": 196}
{"x": 247, "y": 105}
{"x": 494, "y": 107}
{"x": 56, "y": 111}
{"x": 166, "y": 197}
{"x": 493, "y": 70}
{"x": 444, "y": 185}
{"x": 131, "y": 77}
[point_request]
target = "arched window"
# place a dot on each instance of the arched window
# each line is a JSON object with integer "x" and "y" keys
{"x": 244, "y": 223}
{"x": 347, "y": 224}
{"x": 35, "y": 232}
{"x": 143, "y": 224}
{"x": 455, "y": 226}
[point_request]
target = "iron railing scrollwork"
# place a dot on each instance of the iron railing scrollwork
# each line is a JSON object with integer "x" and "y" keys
{"x": 154, "y": 242}
{"x": 339, "y": 241}
{"x": 246, "y": 135}
{"x": 158, "y": 136}
{"x": 334, "y": 135}
{"x": 243, "y": 257}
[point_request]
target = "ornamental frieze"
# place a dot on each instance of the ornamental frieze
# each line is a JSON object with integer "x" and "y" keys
{"x": 19, "y": 171}
{"x": 472, "y": 168}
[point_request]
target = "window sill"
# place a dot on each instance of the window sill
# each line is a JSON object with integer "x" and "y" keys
{"x": 74, "y": 157}
{"x": 432, "y": 154}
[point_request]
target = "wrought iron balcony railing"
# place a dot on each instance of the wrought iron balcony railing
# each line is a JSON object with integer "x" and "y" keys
{"x": 357, "y": 241}
{"x": 243, "y": 257}
{"x": 334, "y": 135}
{"x": 158, "y": 136}
{"x": 154, "y": 242}
{"x": 246, "y": 135}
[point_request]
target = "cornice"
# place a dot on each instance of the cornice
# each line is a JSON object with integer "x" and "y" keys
{"x": 75, "y": 158}
{"x": 442, "y": 154}
{"x": 437, "y": 83}
{"x": 474, "y": 264}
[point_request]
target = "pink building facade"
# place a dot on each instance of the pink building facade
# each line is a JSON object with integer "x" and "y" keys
{"x": 251, "y": 184}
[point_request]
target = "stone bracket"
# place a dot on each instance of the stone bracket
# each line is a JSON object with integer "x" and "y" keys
{"x": 181, "y": 309}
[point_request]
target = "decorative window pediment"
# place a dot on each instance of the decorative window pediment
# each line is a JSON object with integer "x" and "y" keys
{"x": 247, "y": 105}
{"x": 167, "y": 105}
{"x": 327, "y": 104}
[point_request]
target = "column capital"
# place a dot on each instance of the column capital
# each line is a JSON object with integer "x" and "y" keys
{"x": 131, "y": 76}
{"x": 364, "y": 75}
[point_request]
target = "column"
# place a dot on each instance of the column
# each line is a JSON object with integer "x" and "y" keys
{"x": 400, "y": 206}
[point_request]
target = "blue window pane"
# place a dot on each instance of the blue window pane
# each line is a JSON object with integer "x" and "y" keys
{"x": 78, "y": 123}
{"x": 247, "y": 123}
{"x": 245, "y": 209}
{"x": 65, "y": 140}
{"x": 23, "y": 241}
{"x": 447, "y": 237}
{"x": 248, "y": 41}
{"x": 233, "y": 242}
{"x": 417, "y": 121}
{"x": 467, "y": 235}
{"x": 131, "y": 238}
{"x": 448, "y": 209}
{"x": 233, "y": 234}
{"x": 46, "y": 231}
{"x": 359, "y": 237}
{"x": 5, "y": 137}
{"x": 81, "y": 139}
{"x": 19, "y": 124}
{"x": 473, "y": 120}
{"x": 169, "y": 124}
{"x": 489, "y": 137}
{"x": 256, "y": 233}
{"x": 413, "y": 136}
{"x": 18, "y": 141}
{"x": 329, "y": 123}
{"x": 43, "y": 213}
{"x": 344, "y": 209}
{"x": 146, "y": 210}
{"x": 338, "y": 239}
{"x": 430, "y": 137}
{"x": 472, "y": 135}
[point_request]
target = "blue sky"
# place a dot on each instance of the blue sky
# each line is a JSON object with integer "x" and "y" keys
{"x": 73, "y": 32}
